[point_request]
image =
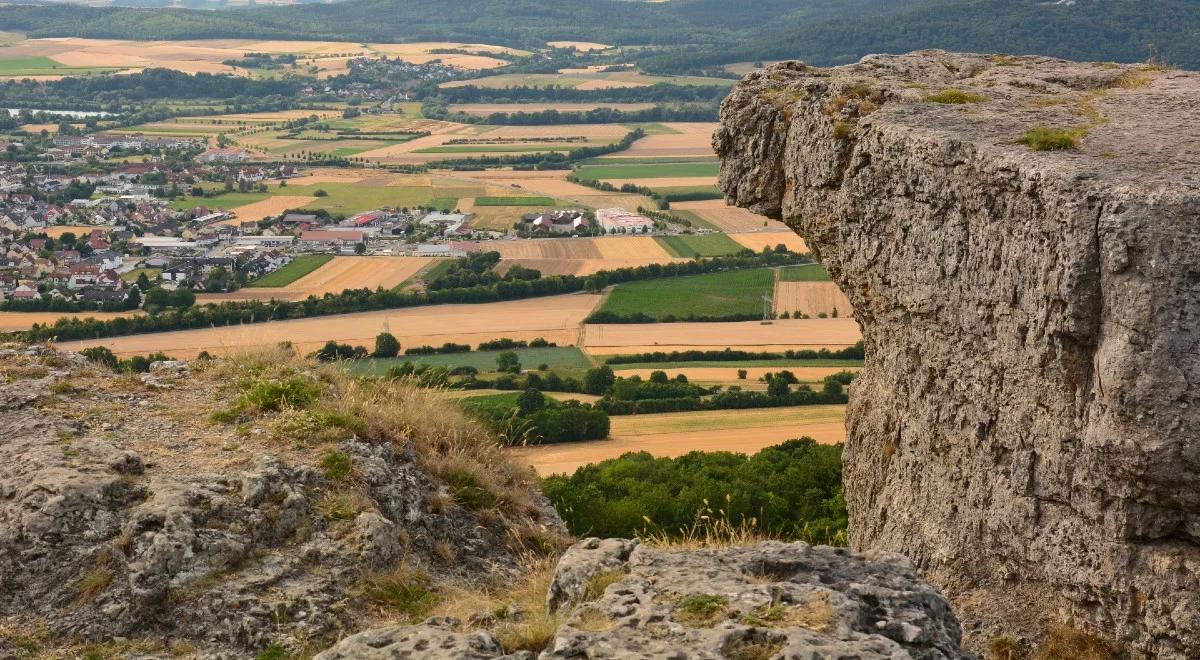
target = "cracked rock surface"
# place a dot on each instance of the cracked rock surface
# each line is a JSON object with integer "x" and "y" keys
{"x": 1025, "y": 427}
{"x": 620, "y": 599}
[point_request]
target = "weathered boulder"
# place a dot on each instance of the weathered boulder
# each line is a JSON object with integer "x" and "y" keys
{"x": 1025, "y": 427}
{"x": 620, "y": 599}
{"x": 125, "y": 515}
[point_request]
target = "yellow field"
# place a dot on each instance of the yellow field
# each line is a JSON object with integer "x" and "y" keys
{"x": 811, "y": 298}
{"x": 57, "y": 231}
{"x": 556, "y": 318}
{"x": 729, "y": 218}
{"x": 578, "y": 45}
{"x": 729, "y": 374}
{"x": 268, "y": 207}
{"x": 675, "y": 434}
{"x": 604, "y": 339}
{"x": 339, "y": 274}
{"x": 484, "y": 109}
{"x": 692, "y": 139}
{"x": 758, "y": 240}
{"x": 581, "y": 256}
{"x": 12, "y": 321}
{"x": 207, "y": 56}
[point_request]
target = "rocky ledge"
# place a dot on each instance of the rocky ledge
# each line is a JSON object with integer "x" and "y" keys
{"x": 618, "y": 599}
{"x": 1019, "y": 237}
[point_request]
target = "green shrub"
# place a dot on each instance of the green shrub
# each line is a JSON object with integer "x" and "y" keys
{"x": 701, "y": 611}
{"x": 336, "y": 466}
{"x": 273, "y": 652}
{"x": 293, "y": 392}
{"x": 405, "y": 590}
{"x": 1043, "y": 138}
{"x": 955, "y": 97}
{"x": 467, "y": 492}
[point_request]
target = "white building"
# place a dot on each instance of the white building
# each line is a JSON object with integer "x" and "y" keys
{"x": 621, "y": 221}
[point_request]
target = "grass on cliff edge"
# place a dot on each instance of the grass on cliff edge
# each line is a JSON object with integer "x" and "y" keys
{"x": 312, "y": 406}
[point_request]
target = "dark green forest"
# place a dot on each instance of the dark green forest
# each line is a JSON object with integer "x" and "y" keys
{"x": 685, "y": 34}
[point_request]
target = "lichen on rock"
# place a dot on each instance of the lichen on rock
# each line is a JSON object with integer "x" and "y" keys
{"x": 1019, "y": 239}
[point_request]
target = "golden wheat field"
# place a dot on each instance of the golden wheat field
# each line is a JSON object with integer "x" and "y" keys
{"x": 12, "y": 321}
{"x": 57, "y": 231}
{"x": 690, "y": 139}
{"x": 485, "y": 109}
{"x": 729, "y": 218}
{"x": 556, "y": 318}
{"x": 208, "y": 56}
{"x": 339, "y": 274}
{"x": 781, "y": 335}
{"x": 758, "y": 240}
{"x": 674, "y": 434}
{"x": 811, "y": 298}
{"x": 270, "y": 206}
{"x": 730, "y": 374}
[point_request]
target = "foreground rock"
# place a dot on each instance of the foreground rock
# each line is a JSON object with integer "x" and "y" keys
{"x": 623, "y": 600}
{"x": 1025, "y": 426}
{"x": 126, "y": 517}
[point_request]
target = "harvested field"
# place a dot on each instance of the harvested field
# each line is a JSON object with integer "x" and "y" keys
{"x": 555, "y": 318}
{"x": 632, "y": 247}
{"x": 578, "y": 45}
{"x": 11, "y": 321}
{"x": 484, "y": 109}
{"x": 545, "y": 266}
{"x": 666, "y": 182}
{"x": 760, "y": 239}
{"x": 545, "y": 248}
{"x": 811, "y": 299}
{"x": 339, "y": 274}
{"x": 674, "y": 434}
{"x": 692, "y": 139}
{"x": 57, "y": 231}
{"x": 729, "y": 374}
{"x": 208, "y": 56}
{"x": 268, "y": 207}
{"x": 616, "y": 339}
{"x": 729, "y": 218}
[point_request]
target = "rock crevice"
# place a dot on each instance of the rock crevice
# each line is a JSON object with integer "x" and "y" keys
{"x": 1024, "y": 428}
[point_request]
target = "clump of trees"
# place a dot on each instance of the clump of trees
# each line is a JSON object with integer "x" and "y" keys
{"x": 793, "y": 491}
{"x": 536, "y": 419}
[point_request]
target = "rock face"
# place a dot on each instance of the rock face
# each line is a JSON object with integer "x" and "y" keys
{"x": 114, "y": 524}
{"x": 623, "y": 600}
{"x": 1025, "y": 428}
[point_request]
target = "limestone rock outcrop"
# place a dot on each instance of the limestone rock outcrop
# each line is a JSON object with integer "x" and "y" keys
{"x": 125, "y": 516}
{"x": 620, "y": 599}
{"x": 1020, "y": 240}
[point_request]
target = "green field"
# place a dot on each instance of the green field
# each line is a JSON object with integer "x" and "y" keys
{"x": 709, "y": 192}
{"x": 807, "y": 273}
{"x": 695, "y": 219}
{"x": 706, "y": 245}
{"x": 557, "y": 358}
{"x": 299, "y": 267}
{"x": 711, "y": 294}
{"x": 151, "y": 274}
{"x": 514, "y": 201}
{"x": 44, "y": 66}
{"x": 649, "y": 171}
{"x": 782, "y": 364}
{"x": 227, "y": 200}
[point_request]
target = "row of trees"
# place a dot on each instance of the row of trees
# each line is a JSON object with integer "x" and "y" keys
{"x": 854, "y": 352}
{"x": 536, "y": 419}
{"x": 360, "y": 300}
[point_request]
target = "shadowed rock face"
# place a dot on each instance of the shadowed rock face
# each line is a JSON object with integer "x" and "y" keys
{"x": 1027, "y": 426}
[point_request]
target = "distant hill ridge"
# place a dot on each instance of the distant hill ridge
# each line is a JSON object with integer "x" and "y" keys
{"x": 691, "y": 32}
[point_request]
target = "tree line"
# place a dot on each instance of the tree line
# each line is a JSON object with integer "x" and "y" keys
{"x": 360, "y": 300}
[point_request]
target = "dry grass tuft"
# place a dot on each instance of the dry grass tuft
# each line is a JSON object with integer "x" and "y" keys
{"x": 702, "y": 610}
{"x": 532, "y": 631}
{"x": 1068, "y": 643}
{"x": 600, "y": 582}
{"x": 593, "y": 620}
{"x": 709, "y": 529}
{"x": 405, "y": 592}
{"x": 955, "y": 97}
{"x": 1004, "y": 648}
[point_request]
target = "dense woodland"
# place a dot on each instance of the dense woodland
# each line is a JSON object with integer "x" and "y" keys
{"x": 686, "y": 34}
{"x": 793, "y": 491}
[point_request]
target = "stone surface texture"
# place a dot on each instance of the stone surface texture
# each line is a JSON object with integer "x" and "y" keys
{"x": 1027, "y": 425}
{"x": 780, "y": 600}
{"x": 117, "y": 524}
